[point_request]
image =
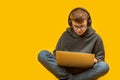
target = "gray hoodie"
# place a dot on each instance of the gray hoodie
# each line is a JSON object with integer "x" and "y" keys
{"x": 89, "y": 42}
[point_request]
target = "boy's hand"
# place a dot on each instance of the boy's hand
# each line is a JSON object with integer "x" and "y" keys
{"x": 95, "y": 60}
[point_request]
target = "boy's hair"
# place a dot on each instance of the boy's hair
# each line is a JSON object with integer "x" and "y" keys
{"x": 79, "y": 16}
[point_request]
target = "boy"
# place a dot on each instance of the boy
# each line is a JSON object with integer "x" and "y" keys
{"x": 79, "y": 37}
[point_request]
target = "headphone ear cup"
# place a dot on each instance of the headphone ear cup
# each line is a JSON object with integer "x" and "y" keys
{"x": 89, "y": 22}
{"x": 70, "y": 22}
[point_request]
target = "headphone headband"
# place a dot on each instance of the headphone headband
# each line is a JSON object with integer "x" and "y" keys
{"x": 89, "y": 21}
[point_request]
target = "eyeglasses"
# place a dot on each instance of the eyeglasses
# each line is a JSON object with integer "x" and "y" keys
{"x": 79, "y": 27}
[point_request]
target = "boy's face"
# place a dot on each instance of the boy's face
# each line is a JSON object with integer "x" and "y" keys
{"x": 79, "y": 28}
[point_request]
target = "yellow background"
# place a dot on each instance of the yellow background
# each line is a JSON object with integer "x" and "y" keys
{"x": 28, "y": 26}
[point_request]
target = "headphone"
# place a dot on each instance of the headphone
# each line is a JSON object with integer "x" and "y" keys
{"x": 89, "y": 21}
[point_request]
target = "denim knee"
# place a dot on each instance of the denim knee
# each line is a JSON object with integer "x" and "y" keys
{"x": 103, "y": 66}
{"x": 42, "y": 55}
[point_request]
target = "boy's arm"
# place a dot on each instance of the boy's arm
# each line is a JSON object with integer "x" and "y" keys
{"x": 59, "y": 46}
{"x": 99, "y": 50}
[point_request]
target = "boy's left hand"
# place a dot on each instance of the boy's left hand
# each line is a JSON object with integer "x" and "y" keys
{"x": 95, "y": 60}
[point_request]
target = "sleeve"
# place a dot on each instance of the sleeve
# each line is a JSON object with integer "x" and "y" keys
{"x": 99, "y": 50}
{"x": 59, "y": 44}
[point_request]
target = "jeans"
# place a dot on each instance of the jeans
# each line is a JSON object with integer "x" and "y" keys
{"x": 48, "y": 60}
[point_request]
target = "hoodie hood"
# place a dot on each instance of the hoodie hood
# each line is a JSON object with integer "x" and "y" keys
{"x": 89, "y": 32}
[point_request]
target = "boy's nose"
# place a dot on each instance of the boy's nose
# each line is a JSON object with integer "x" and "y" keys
{"x": 79, "y": 29}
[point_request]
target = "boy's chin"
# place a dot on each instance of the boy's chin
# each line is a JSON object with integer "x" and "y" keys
{"x": 79, "y": 34}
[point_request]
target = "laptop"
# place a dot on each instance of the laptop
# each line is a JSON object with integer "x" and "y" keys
{"x": 74, "y": 59}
